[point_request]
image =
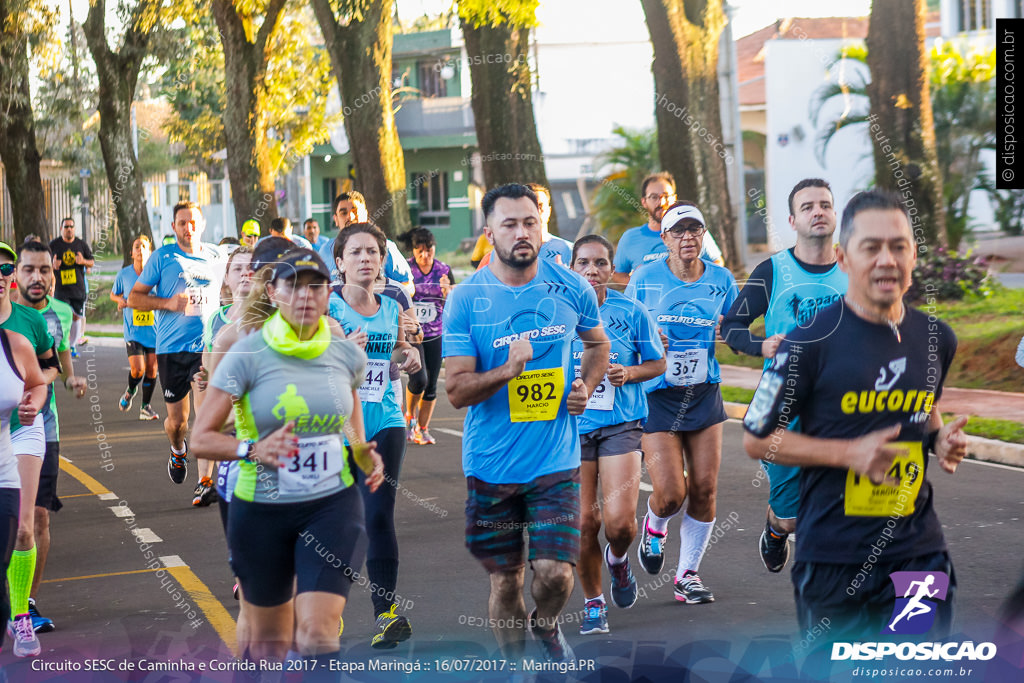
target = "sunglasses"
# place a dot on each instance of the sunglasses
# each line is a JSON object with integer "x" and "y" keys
{"x": 679, "y": 231}
{"x": 6, "y": 269}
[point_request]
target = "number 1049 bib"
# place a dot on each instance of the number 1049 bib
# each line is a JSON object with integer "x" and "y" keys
{"x": 864, "y": 499}
{"x": 536, "y": 395}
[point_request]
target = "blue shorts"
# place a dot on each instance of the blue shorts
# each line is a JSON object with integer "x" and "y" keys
{"x": 784, "y": 491}
{"x": 684, "y": 409}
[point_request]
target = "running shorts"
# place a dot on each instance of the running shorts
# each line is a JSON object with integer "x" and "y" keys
{"x": 611, "y": 440}
{"x": 684, "y": 409}
{"x": 46, "y": 496}
{"x": 176, "y": 371}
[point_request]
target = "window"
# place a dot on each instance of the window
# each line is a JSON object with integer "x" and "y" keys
{"x": 975, "y": 15}
{"x": 429, "y": 193}
{"x": 430, "y": 80}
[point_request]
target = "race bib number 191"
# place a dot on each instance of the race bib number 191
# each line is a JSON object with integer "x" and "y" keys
{"x": 864, "y": 499}
{"x": 536, "y": 395}
{"x": 426, "y": 311}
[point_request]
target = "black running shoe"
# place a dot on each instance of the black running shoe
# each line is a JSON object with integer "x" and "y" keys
{"x": 204, "y": 494}
{"x": 691, "y": 590}
{"x": 177, "y": 466}
{"x": 774, "y": 549}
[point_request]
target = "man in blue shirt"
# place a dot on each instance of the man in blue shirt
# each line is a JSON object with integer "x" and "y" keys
{"x": 511, "y": 364}
{"x": 181, "y": 282}
{"x": 643, "y": 244}
{"x": 312, "y": 231}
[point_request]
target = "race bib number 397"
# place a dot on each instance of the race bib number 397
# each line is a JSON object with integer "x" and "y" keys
{"x": 864, "y": 499}
{"x": 536, "y": 395}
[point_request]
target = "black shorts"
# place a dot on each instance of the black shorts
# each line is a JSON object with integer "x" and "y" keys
{"x": 77, "y": 305}
{"x": 684, "y": 409}
{"x": 135, "y": 348}
{"x": 611, "y": 440}
{"x": 547, "y": 507}
{"x": 46, "y": 496}
{"x": 280, "y": 548}
{"x": 176, "y": 371}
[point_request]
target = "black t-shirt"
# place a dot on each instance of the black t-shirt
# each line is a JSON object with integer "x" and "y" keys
{"x": 752, "y": 303}
{"x": 845, "y": 377}
{"x": 70, "y": 278}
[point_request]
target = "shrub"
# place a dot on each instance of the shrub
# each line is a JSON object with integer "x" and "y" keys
{"x": 947, "y": 275}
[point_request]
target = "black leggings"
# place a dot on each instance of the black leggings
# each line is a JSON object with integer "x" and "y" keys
{"x": 425, "y": 381}
{"x": 10, "y": 501}
{"x": 382, "y": 554}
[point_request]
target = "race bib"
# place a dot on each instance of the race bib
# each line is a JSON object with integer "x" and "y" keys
{"x": 535, "y": 396}
{"x": 603, "y": 397}
{"x": 686, "y": 368}
{"x": 197, "y": 300}
{"x": 376, "y": 381}
{"x": 864, "y": 499}
{"x": 426, "y": 311}
{"x": 69, "y": 276}
{"x": 316, "y": 466}
{"x": 142, "y": 318}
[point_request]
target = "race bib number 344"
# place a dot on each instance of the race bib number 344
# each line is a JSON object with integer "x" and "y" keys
{"x": 864, "y": 499}
{"x": 536, "y": 395}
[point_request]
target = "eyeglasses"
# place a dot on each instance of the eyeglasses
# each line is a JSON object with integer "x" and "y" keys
{"x": 678, "y": 231}
{"x": 661, "y": 197}
{"x": 6, "y": 269}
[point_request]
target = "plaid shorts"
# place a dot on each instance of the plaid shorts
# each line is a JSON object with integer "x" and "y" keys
{"x": 547, "y": 508}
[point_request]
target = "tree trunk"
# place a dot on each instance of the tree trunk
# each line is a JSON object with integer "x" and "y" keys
{"x": 902, "y": 128}
{"x": 361, "y": 59}
{"x": 502, "y": 101}
{"x": 18, "y": 150}
{"x": 686, "y": 36}
{"x": 245, "y": 119}
{"x": 118, "y": 75}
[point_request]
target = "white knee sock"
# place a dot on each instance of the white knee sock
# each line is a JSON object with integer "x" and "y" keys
{"x": 656, "y": 523}
{"x": 76, "y": 330}
{"x": 694, "y": 537}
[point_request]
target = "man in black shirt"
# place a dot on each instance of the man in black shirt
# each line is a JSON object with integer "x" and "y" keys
{"x": 71, "y": 256}
{"x": 863, "y": 377}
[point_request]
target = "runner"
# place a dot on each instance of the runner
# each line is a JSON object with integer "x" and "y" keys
{"x": 508, "y": 333}
{"x": 682, "y": 439}
{"x": 610, "y": 435}
{"x": 139, "y": 333}
{"x": 358, "y": 253}
{"x": 23, "y": 394}
{"x": 312, "y": 231}
{"x": 181, "y": 282}
{"x": 28, "y": 442}
{"x": 250, "y": 233}
{"x": 554, "y": 248}
{"x": 644, "y": 244}
{"x": 294, "y": 387}
{"x": 788, "y": 289}
{"x": 35, "y": 277}
{"x": 433, "y": 280}
{"x": 71, "y": 257}
{"x": 282, "y": 227}
{"x": 863, "y": 378}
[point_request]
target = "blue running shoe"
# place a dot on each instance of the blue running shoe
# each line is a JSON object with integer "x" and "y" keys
{"x": 652, "y": 549}
{"x": 40, "y": 624}
{"x": 595, "y": 618}
{"x": 623, "y": 582}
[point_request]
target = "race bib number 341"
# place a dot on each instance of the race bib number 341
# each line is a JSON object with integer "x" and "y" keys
{"x": 316, "y": 466}
{"x": 536, "y": 395}
{"x": 864, "y": 499}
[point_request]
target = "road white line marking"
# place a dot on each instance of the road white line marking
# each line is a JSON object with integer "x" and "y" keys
{"x": 173, "y": 561}
{"x": 108, "y": 496}
{"x": 122, "y": 511}
{"x": 445, "y": 430}
{"x": 994, "y": 464}
{"x": 146, "y": 535}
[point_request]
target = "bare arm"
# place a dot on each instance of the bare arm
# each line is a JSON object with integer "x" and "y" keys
{"x": 34, "y": 398}
{"x": 468, "y": 387}
{"x": 67, "y": 373}
{"x": 620, "y": 278}
{"x": 620, "y": 375}
{"x": 141, "y": 300}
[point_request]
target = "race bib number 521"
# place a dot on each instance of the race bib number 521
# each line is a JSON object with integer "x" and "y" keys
{"x": 536, "y": 395}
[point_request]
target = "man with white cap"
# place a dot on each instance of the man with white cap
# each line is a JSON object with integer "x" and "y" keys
{"x": 682, "y": 440}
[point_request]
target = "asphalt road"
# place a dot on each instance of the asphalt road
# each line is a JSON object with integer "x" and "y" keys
{"x": 137, "y": 576}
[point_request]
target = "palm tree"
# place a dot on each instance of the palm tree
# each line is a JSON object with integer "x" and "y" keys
{"x": 616, "y": 202}
{"x": 848, "y": 80}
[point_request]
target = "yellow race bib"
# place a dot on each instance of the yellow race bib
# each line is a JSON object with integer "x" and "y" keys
{"x": 69, "y": 276}
{"x": 142, "y": 318}
{"x": 536, "y": 395}
{"x": 864, "y": 499}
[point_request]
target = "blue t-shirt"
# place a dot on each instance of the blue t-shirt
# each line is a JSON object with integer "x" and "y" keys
{"x": 523, "y": 431}
{"x": 395, "y": 266}
{"x": 381, "y": 408}
{"x": 145, "y": 331}
{"x": 634, "y": 338}
{"x": 556, "y": 246}
{"x": 170, "y": 272}
{"x": 321, "y": 241}
{"x": 641, "y": 245}
{"x": 687, "y": 312}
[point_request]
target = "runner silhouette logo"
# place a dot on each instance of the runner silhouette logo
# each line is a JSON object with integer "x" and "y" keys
{"x": 916, "y": 597}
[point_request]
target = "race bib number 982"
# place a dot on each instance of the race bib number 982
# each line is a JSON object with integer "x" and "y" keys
{"x": 536, "y": 395}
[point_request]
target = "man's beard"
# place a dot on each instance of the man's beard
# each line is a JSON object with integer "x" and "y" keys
{"x": 31, "y": 299}
{"x": 518, "y": 262}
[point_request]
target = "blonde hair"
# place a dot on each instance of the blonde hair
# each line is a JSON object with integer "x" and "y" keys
{"x": 258, "y": 307}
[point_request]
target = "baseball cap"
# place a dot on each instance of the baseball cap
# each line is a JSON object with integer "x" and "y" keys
{"x": 270, "y": 250}
{"x": 251, "y": 227}
{"x": 301, "y": 260}
{"x": 6, "y": 249}
{"x": 676, "y": 214}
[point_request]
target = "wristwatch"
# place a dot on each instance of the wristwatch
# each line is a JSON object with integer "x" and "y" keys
{"x": 246, "y": 450}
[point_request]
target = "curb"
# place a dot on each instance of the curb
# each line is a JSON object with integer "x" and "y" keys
{"x": 978, "y": 448}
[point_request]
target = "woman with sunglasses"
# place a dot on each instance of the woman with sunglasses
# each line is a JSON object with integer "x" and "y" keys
{"x": 682, "y": 440}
